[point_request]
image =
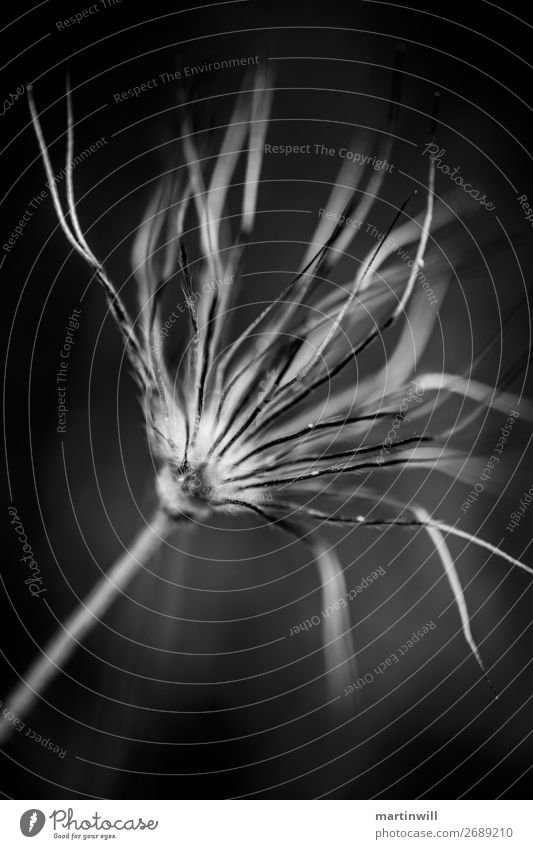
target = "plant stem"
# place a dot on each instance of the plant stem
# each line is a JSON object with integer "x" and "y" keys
{"x": 336, "y": 630}
{"x": 63, "y": 644}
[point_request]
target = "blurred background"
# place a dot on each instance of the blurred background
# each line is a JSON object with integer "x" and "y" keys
{"x": 191, "y": 686}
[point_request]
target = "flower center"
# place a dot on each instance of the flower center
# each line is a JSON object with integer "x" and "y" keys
{"x": 194, "y": 482}
{"x": 185, "y": 491}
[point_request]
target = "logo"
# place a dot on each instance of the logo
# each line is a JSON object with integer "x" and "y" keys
{"x": 32, "y": 822}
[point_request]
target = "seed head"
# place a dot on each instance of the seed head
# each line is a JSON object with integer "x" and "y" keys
{"x": 261, "y": 421}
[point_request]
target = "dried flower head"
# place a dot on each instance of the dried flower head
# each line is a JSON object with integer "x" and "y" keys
{"x": 243, "y": 423}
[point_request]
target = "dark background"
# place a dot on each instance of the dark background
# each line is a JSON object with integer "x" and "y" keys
{"x": 186, "y": 689}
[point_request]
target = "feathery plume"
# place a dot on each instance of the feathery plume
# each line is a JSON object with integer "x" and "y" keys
{"x": 240, "y": 425}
